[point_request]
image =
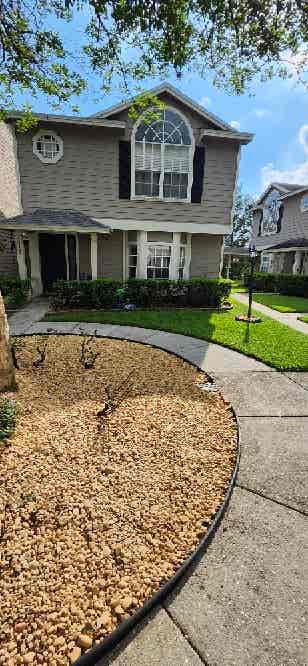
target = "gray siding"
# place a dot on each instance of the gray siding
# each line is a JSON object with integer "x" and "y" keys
{"x": 8, "y": 260}
{"x": 84, "y": 254}
{"x": 205, "y": 255}
{"x": 86, "y": 179}
{"x": 294, "y": 224}
{"x": 110, "y": 255}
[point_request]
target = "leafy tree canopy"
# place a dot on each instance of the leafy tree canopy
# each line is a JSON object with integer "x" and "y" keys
{"x": 242, "y": 219}
{"x": 127, "y": 41}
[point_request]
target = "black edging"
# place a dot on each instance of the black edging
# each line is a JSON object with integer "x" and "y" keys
{"x": 91, "y": 657}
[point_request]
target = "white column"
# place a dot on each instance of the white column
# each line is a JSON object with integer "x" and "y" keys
{"x": 94, "y": 256}
{"x": 34, "y": 252}
{"x": 187, "y": 258}
{"x": 297, "y": 262}
{"x": 221, "y": 256}
{"x": 229, "y": 266}
{"x": 142, "y": 254}
{"x": 21, "y": 259}
{"x": 175, "y": 256}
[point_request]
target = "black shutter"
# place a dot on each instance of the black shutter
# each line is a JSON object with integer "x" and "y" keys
{"x": 280, "y": 218}
{"x": 198, "y": 174}
{"x": 124, "y": 169}
{"x": 260, "y": 224}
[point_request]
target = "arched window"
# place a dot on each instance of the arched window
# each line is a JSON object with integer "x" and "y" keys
{"x": 162, "y": 164}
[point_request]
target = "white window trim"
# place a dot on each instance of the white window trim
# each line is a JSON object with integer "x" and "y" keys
{"x": 139, "y": 197}
{"x": 47, "y": 160}
{"x": 142, "y": 255}
{"x": 304, "y": 208}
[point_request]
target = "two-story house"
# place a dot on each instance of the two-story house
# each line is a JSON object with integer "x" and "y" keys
{"x": 280, "y": 228}
{"x": 103, "y": 196}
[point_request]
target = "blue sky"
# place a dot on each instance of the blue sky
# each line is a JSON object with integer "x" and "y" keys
{"x": 275, "y": 111}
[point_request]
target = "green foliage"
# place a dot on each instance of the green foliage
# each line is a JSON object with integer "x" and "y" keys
{"x": 8, "y": 417}
{"x": 282, "y": 283}
{"x": 104, "y": 293}
{"x": 242, "y": 219}
{"x": 14, "y": 291}
{"x": 124, "y": 43}
{"x": 269, "y": 341}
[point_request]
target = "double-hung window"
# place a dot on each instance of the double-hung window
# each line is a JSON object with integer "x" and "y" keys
{"x": 158, "y": 261}
{"x": 163, "y": 158}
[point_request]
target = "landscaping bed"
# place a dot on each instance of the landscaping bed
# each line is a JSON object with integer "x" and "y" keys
{"x": 110, "y": 481}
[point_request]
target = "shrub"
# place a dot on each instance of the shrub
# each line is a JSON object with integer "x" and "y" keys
{"x": 103, "y": 293}
{"x": 91, "y": 293}
{"x": 8, "y": 417}
{"x": 14, "y": 290}
{"x": 282, "y": 283}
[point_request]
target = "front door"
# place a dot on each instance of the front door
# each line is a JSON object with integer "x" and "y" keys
{"x": 53, "y": 261}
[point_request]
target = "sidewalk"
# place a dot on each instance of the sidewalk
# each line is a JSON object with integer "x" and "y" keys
{"x": 244, "y": 604}
{"x": 288, "y": 318}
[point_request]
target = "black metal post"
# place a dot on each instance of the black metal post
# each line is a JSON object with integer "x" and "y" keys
{"x": 252, "y": 266}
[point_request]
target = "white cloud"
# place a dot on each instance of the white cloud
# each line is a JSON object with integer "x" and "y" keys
{"x": 294, "y": 174}
{"x": 262, "y": 113}
{"x": 236, "y": 124}
{"x": 205, "y": 101}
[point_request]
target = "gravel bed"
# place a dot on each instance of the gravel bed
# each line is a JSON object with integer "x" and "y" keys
{"x": 111, "y": 479}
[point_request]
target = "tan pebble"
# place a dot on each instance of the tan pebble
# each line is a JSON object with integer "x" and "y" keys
{"x": 29, "y": 658}
{"x": 126, "y": 602}
{"x": 84, "y": 641}
{"x": 115, "y": 601}
{"x": 20, "y": 627}
{"x": 105, "y": 619}
{"x": 119, "y": 610}
{"x": 58, "y": 642}
{"x": 75, "y": 654}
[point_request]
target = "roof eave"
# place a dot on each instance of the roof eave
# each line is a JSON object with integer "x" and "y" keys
{"x": 53, "y": 228}
{"x": 241, "y": 137}
{"x": 70, "y": 120}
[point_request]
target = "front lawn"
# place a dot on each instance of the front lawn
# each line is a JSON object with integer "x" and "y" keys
{"x": 282, "y": 303}
{"x": 304, "y": 319}
{"x": 273, "y": 343}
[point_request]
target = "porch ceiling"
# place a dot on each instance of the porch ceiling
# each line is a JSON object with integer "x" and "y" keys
{"x": 57, "y": 221}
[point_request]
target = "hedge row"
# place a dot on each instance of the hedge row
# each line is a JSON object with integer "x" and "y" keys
{"x": 106, "y": 293}
{"x": 282, "y": 283}
{"x": 14, "y": 290}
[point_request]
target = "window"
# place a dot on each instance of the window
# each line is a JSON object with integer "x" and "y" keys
{"x": 158, "y": 261}
{"x": 132, "y": 260}
{"x": 265, "y": 263}
{"x": 304, "y": 203}
{"x": 271, "y": 208}
{"x": 163, "y": 158}
{"x": 48, "y": 147}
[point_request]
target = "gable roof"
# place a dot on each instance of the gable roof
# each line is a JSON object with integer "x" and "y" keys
{"x": 168, "y": 88}
{"x": 298, "y": 190}
{"x": 285, "y": 189}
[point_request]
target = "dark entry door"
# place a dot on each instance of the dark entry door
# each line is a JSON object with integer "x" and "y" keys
{"x": 53, "y": 261}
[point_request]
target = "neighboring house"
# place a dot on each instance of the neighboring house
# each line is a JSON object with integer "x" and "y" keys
{"x": 280, "y": 228}
{"x": 105, "y": 197}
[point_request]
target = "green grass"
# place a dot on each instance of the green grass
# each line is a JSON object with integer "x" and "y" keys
{"x": 238, "y": 287}
{"x": 282, "y": 303}
{"x": 304, "y": 319}
{"x": 269, "y": 341}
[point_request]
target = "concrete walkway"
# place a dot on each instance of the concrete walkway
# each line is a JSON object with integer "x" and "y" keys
{"x": 288, "y": 318}
{"x": 244, "y": 605}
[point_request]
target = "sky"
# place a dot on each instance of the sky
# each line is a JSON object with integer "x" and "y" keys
{"x": 276, "y": 112}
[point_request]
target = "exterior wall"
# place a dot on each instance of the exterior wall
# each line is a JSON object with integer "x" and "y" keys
{"x": 84, "y": 241}
{"x": 205, "y": 255}
{"x": 110, "y": 255}
{"x": 86, "y": 178}
{"x": 294, "y": 224}
{"x": 9, "y": 196}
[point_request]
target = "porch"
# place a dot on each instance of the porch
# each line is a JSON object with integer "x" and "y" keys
{"x": 288, "y": 257}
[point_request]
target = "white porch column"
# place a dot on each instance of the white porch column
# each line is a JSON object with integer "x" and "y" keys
{"x": 21, "y": 258}
{"x": 34, "y": 253}
{"x": 175, "y": 256}
{"x": 142, "y": 254}
{"x": 124, "y": 259}
{"x": 94, "y": 256}
{"x": 297, "y": 262}
{"x": 229, "y": 266}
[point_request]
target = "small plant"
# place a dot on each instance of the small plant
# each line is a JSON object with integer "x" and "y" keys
{"x": 116, "y": 396}
{"x": 87, "y": 354}
{"x": 42, "y": 351}
{"x": 16, "y": 346}
{"x": 9, "y": 410}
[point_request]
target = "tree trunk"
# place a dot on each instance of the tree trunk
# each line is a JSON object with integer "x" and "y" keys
{"x": 7, "y": 373}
